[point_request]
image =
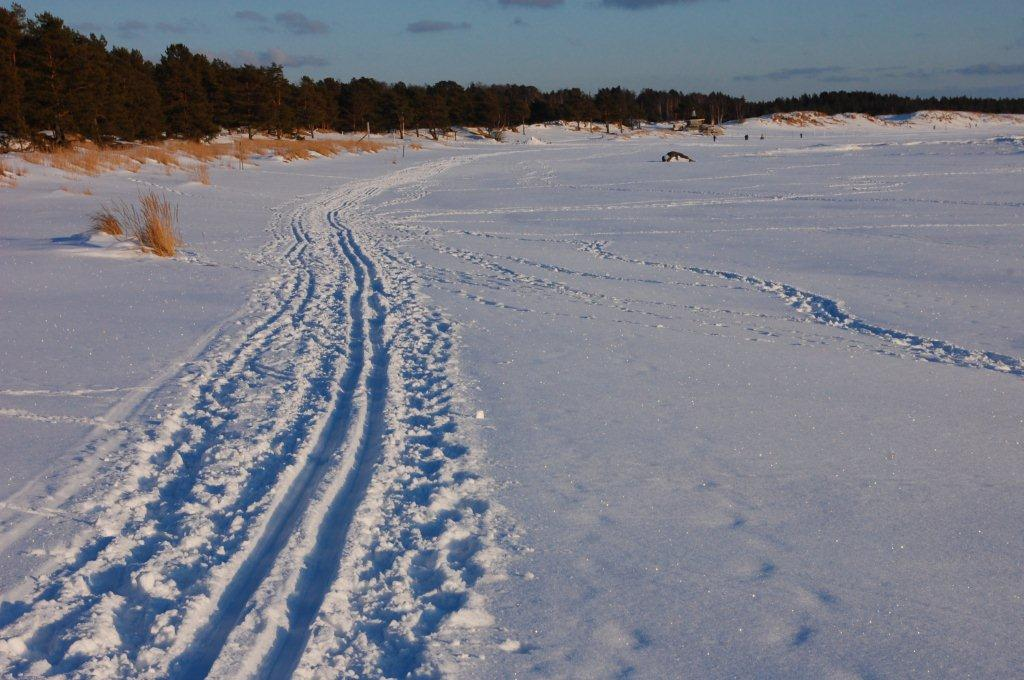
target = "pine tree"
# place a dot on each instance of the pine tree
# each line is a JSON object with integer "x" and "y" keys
{"x": 89, "y": 91}
{"x": 12, "y": 117}
{"x": 48, "y": 69}
{"x": 247, "y": 99}
{"x": 54, "y": 78}
{"x": 278, "y": 113}
{"x": 485, "y": 107}
{"x": 182, "y": 77}
{"x": 310, "y": 106}
{"x": 135, "y": 106}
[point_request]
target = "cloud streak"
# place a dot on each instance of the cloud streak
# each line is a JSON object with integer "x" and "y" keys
{"x": 293, "y": 22}
{"x": 275, "y": 55}
{"x": 543, "y": 4}
{"x": 644, "y": 4}
{"x": 433, "y": 26}
{"x": 179, "y": 26}
{"x": 254, "y": 20}
{"x": 991, "y": 70}
{"x": 831, "y": 72}
{"x": 131, "y": 28}
{"x": 299, "y": 24}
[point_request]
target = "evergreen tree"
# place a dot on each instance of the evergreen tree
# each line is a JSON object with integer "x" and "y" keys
{"x": 401, "y": 106}
{"x": 54, "y": 78}
{"x": 48, "y": 69}
{"x": 248, "y": 92}
{"x": 12, "y": 117}
{"x": 278, "y": 113}
{"x": 89, "y": 91}
{"x": 135, "y": 106}
{"x": 182, "y": 76}
{"x": 310, "y": 106}
{"x": 615, "y": 105}
{"x": 485, "y": 107}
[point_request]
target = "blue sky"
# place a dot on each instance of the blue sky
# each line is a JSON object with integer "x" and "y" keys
{"x": 758, "y": 48}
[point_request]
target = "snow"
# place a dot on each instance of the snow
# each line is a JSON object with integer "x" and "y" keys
{"x": 545, "y": 409}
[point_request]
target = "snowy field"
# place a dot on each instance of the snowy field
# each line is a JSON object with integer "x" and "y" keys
{"x": 541, "y": 409}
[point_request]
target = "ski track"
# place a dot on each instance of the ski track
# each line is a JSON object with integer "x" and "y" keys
{"x": 308, "y": 507}
{"x": 830, "y": 312}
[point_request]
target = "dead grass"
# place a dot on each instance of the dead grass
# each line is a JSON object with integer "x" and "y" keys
{"x": 200, "y": 173}
{"x": 305, "y": 149}
{"x": 146, "y": 153}
{"x": 205, "y": 153}
{"x": 156, "y": 228}
{"x": 106, "y": 221}
{"x": 152, "y": 223}
{"x": 803, "y": 118}
{"x": 7, "y": 175}
{"x": 86, "y": 158}
{"x": 85, "y": 191}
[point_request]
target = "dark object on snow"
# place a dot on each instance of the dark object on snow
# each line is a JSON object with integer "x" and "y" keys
{"x": 746, "y": 137}
{"x": 675, "y": 156}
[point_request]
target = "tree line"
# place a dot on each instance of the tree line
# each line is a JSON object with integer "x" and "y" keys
{"x": 55, "y": 79}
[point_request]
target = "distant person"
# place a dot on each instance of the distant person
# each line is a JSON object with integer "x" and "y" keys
{"x": 762, "y": 136}
{"x": 746, "y": 138}
{"x": 714, "y": 138}
{"x": 801, "y": 135}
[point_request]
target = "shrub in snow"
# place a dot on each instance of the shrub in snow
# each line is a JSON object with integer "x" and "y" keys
{"x": 105, "y": 221}
{"x": 152, "y": 224}
{"x": 156, "y": 228}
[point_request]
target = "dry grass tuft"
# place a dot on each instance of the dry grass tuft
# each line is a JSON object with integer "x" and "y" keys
{"x": 106, "y": 221}
{"x": 86, "y": 158}
{"x": 199, "y": 150}
{"x": 146, "y": 153}
{"x": 155, "y": 228}
{"x": 83, "y": 159}
{"x": 7, "y": 175}
{"x": 803, "y": 118}
{"x": 153, "y": 223}
{"x": 85, "y": 191}
{"x": 200, "y": 173}
{"x": 295, "y": 149}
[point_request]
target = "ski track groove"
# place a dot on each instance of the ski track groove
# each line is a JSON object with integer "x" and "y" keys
{"x": 829, "y": 312}
{"x": 226, "y": 532}
{"x": 321, "y": 565}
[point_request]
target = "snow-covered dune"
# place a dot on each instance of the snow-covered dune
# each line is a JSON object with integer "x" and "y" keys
{"x": 946, "y": 119}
